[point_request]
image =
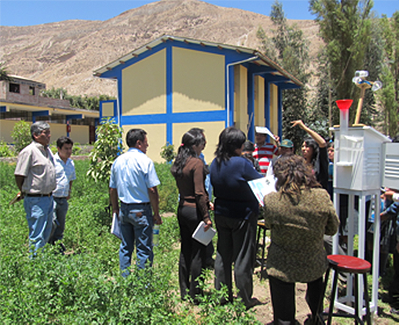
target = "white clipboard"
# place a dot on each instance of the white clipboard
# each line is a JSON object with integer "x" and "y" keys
{"x": 116, "y": 226}
{"x": 204, "y": 237}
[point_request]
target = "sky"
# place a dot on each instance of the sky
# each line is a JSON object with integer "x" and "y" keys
{"x": 31, "y": 12}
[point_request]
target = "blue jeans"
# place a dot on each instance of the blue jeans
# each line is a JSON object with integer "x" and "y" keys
{"x": 136, "y": 225}
{"x": 39, "y": 214}
{"x": 60, "y": 212}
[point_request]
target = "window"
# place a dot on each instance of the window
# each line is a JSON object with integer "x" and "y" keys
{"x": 14, "y": 88}
{"x": 31, "y": 90}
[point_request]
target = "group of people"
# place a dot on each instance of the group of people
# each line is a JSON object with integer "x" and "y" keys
{"x": 45, "y": 182}
{"x": 300, "y": 214}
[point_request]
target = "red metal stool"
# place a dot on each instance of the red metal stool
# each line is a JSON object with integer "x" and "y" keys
{"x": 354, "y": 265}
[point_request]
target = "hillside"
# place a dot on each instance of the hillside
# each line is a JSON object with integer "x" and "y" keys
{"x": 64, "y": 54}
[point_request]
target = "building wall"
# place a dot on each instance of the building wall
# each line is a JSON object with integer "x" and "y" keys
{"x": 198, "y": 81}
{"x": 273, "y": 109}
{"x": 156, "y": 137}
{"x": 259, "y": 101}
{"x": 78, "y": 134}
{"x": 211, "y": 131}
{"x": 240, "y": 117}
{"x": 144, "y": 86}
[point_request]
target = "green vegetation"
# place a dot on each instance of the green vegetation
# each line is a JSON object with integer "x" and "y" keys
{"x": 168, "y": 152}
{"x": 5, "y": 150}
{"x": 21, "y": 135}
{"x": 106, "y": 149}
{"x": 84, "y": 286}
{"x": 80, "y": 102}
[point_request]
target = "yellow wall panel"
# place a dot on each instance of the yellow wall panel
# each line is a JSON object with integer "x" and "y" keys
{"x": 144, "y": 86}
{"x": 259, "y": 101}
{"x": 273, "y": 109}
{"x": 79, "y": 134}
{"x": 108, "y": 109}
{"x": 156, "y": 136}
{"x": 6, "y": 128}
{"x": 198, "y": 81}
{"x": 241, "y": 117}
{"x": 211, "y": 131}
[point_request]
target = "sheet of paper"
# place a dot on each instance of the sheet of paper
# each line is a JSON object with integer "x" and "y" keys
{"x": 262, "y": 187}
{"x": 202, "y": 236}
{"x": 265, "y": 130}
{"x": 116, "y": 226}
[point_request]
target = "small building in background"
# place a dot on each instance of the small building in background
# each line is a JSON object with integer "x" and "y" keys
{"x": 173, "y": 84}
{"x": 20, "y": 99}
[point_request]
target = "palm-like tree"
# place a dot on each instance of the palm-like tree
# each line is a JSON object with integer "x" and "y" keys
{"x": 3, "y": 72}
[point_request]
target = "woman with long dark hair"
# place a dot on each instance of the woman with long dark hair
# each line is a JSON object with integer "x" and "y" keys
{"x": 314, "y": 150}
{"x": 189, "y": 172}
{"x": 236, "y": 211}
{"x": 298, "y": 214}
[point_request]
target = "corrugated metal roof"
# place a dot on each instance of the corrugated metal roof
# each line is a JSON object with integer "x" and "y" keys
{"x": 261, "y": 61}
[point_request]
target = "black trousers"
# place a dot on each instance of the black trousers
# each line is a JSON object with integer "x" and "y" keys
{"x": 193, "y": 253}
{"x": 284, "y": 303}
{"x": 236, "y": 246}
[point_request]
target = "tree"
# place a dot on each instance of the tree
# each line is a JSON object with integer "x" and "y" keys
{"x": 345, "y": 28}
{"x": 77, "y": 101}
{"x": 106, "y": 149}
{"x": 288, "y": 48}
{"x": 3, "y": 72}
{"x": 21, "y": 135}
{"x": 388, "y": 96}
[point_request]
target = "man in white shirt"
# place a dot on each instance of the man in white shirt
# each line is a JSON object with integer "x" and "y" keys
{"x": 65, "y": 175}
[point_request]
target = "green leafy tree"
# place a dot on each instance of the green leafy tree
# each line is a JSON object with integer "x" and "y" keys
{"x": 289, "y": 49}
{"x": 106, "y": 149}
{"x": 21, "y": 135}
{"x": 77, "y": 101}
{"x": 345, "y": 28}
{"x": 388, "y": 96}
{"x": 168, "y": 152}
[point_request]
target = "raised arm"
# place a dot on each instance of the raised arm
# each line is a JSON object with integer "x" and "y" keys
{"x": 320, "y": 140}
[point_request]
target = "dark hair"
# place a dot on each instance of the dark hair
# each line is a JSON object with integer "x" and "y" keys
{"x": 293, "y": 173}
{"x": 194, "y": 137}
{"x": 230, "y": 139}
{"x": 248, "y": 146}
{"x": 64, "y": 140}
{"x": 38, "y": 127}
{"x": 134, "y": 135}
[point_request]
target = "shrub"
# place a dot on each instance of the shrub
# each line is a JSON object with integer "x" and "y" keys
{"x": 21, "y": 135}
{"x": 106, "y": 149}
{"x": 168, "y": 153}
{"x": 5, "y": 150}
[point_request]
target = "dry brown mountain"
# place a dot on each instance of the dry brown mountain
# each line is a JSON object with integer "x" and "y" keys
{"x": 65, "y": 54}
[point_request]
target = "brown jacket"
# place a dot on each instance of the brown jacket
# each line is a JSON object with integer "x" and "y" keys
{"x": 297, "y": 253}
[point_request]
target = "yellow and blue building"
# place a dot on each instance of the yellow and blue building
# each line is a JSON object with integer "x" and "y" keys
{"x": 173, "y": 84}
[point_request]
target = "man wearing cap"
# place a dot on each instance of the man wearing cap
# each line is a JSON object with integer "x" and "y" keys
{"x": 286, "y": 147}
{"x": 264, "y": 152}
{"x": 35, "y": 176}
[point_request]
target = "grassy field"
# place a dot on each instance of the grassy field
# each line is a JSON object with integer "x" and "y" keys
{"x": 85, "y": 287}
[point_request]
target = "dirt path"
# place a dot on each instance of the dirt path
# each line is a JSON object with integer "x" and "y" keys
{"x": 264, "y": 312}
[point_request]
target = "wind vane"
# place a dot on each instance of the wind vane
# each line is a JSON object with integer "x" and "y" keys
{"x": 363, "y": 84}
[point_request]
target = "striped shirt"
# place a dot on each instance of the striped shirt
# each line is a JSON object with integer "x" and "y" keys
{"x": 264, "y": 154}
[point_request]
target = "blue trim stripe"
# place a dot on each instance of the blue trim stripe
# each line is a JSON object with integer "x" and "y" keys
{"x": 182, "y": 117}
{"x": 169, "y": 86}
{"x": 74, "y": 116}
